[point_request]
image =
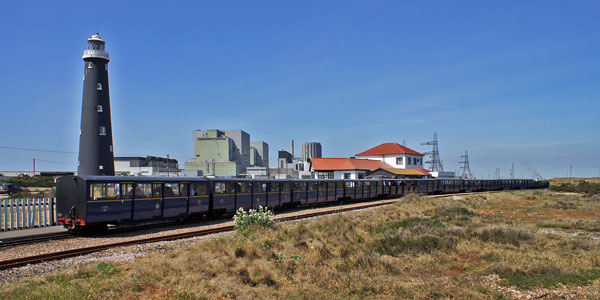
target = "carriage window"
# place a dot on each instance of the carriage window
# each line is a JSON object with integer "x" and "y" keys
{"x": 200, "y": 188}
{"x": 322, "y": 185}
{"x": 339, "y": 185}
{"x": 157, "y": 190}
{"x": 105, "y": 191}
{"x": 259, "y": 187}
{"x": 183, "y": 189}
{"x": 231, "y": 187}
{"x": 274, "y": 186}
{"x": 220, "y": 188}
{"x": 349, "y": 184}
{"x": 172, "y": 189}
{"x": 331, "y": 185}
{"x": 127, "y": 190}
{"x": 285, "y": 187}
{"x": 143, "y": 190}
{"x": 242, "y": 187}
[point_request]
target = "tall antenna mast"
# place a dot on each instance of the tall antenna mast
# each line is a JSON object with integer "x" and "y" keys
{"x": 466, "y": 173}
{"x": 435, "y": 162}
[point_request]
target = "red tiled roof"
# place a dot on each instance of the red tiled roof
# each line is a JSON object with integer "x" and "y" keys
{"x": 387, "y": 149}
{"x": 333, "y": 164}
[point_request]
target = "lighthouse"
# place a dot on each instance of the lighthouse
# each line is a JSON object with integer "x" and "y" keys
{"x": 95, "y": 139}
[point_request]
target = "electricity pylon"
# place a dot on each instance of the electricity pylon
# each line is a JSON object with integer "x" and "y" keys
{"x": 466, "y": 170}
{"x": 435, "y": 162}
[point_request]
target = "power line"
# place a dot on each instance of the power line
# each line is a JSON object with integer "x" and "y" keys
{"x": 73, "y": 152}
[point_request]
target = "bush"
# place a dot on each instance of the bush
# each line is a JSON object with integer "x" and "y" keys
{"x": 453, "y": 213}
{"x": 262, "y": 217}
{"x": 503, "y": 235}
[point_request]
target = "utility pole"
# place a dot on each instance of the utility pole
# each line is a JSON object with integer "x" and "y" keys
{"x": 570, "y": 171}
{"x": 436, "y": 163}
{"x": 168, "y": 165}
{"x": 466, "y": 170}
{"x": 512, "y": 171}
{"x": 33, "y": 168}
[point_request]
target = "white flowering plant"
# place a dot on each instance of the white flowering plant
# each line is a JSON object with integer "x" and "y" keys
{"x": 262, "y": 217}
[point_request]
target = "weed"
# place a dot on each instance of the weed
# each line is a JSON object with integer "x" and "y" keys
{"x": 561, "y": 205}
{"x": 387, "y": 226}
{"x": 503, "y": 235}
{"x": 453, "y": 213}
{"x": 406, "y": 242}
{"x": 244, "y": 220}
{"x": 107, "y": 269}
{"x": 547, "y": 277}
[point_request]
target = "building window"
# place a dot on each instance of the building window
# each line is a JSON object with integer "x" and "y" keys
{"x": 99, "y": 108}
{"x": 90, "y": 65}
{"x": 102, "y": 130}
{"x": 99, "y": 86}
{"x": 347, "y": 175}
{"x": 399, "y": 160}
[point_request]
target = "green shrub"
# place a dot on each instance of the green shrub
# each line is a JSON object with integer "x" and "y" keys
{"x": 453, "y": 213}
{"x": 261, "y": 217}
{"x": 547, "y": 277}
{"x": 386, "y": 227}
{"x": 503, "y": 235}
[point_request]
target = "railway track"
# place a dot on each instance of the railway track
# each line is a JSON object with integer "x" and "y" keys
{"x": 18, "y": 262}
{"x": 34, "y": 239}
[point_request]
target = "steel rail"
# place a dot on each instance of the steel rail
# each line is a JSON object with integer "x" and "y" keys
{"x": 34, "y": 239}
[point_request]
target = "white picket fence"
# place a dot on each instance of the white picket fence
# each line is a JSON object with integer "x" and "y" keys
{"x": 27, "y": 213}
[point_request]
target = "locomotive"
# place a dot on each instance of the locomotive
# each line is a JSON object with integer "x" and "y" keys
{"x": 91, "y": 203}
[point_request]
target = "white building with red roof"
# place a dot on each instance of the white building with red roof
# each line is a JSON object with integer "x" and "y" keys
{"x": 395, "y": 155}
{"x": 344, "y": 168}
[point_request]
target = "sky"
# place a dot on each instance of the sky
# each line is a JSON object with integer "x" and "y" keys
{"x": 508, "y": 81}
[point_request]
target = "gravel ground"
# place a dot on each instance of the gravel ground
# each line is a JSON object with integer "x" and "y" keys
{"x": 493, "y": 281}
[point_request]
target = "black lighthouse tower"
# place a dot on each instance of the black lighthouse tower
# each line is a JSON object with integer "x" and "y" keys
{"x": 95, "y": 140}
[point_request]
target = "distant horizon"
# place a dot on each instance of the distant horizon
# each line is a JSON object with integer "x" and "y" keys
{"x": 508, "y": 82}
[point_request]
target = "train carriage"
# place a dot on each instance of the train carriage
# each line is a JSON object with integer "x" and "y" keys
{"x": 89, "y": 200}
{"x": 93, "y": 201}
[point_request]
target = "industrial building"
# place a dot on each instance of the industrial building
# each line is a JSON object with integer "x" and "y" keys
{"x": 146, "y": 166}
{"x": 310, "y": 150}
{"x": 227, "y": 152}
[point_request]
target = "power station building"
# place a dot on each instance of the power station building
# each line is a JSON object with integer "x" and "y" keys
{"x": 310, "y": 150}
{"x": 226, "y": 152}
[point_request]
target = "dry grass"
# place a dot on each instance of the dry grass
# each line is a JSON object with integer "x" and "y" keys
{"x": 415, "y": 249}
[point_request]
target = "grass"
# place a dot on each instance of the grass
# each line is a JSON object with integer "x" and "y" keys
{"x": 415, "y": 249}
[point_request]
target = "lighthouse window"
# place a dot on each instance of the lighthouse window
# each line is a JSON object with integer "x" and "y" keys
{"x": 99, "y": 86}
{"x": 106, "y": 67}
{"x": 101, "y": 167}
{"x": 102, "y": 130}
{"x": 99, "y": 108}
{"x": 90, "y": 66}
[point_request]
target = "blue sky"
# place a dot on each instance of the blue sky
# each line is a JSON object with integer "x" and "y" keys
{"x": 510, "y": 81}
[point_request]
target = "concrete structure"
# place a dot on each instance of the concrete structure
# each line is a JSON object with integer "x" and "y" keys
{"x": 345, "y": 168}
{"x": 395, "y": 155}
{"x": 226, "y": 152}
{"x": 146, "y": 166}
{"x": 310, "y": 150}
{"x": 95, "y": 140}
{"x": 257, "y": 172}
{"x": 259, "y": 154}
{"x": 443, "y": 174}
